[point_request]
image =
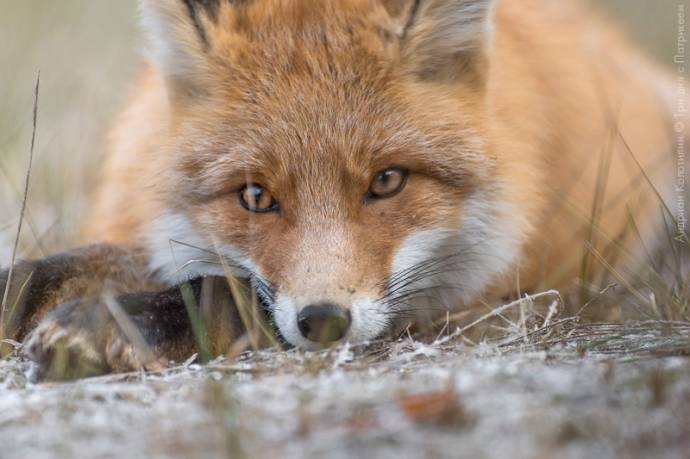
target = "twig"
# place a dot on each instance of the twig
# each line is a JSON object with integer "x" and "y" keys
{"x": 594, "y": 300}
{"x": 504, "y": 308}
{"x": 6, "y": 293}
{"x": 143, "y": 351}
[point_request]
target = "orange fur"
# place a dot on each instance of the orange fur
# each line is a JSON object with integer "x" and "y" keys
{"x": 503, "y": 115}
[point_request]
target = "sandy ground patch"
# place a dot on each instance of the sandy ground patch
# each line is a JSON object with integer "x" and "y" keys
{"x": 576, "y": 398}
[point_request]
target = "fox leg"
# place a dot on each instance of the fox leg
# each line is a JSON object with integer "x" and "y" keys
{"x": 95, "y": 309}
{"x": 87, "y": 337}
{"x": 39, "y": 286}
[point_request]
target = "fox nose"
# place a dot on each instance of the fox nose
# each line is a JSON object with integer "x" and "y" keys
{"x": 323, "y": 323}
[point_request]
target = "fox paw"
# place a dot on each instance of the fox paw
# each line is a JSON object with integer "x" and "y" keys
{"x": 77, "y": 341}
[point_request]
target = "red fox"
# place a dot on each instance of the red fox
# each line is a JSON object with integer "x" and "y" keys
{"x": 367, "y": 162}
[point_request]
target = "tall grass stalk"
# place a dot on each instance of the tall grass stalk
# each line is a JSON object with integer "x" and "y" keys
{"x": 27, "y": 181}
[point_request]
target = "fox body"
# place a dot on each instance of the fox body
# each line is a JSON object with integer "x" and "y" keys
{"x": 384, "y": 160}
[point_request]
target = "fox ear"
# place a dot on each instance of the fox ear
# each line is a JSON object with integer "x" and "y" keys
{"x": 445, "y": 39}
{"x": 178, "y": 40}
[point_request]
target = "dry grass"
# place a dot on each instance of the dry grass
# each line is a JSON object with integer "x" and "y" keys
{"x": 5, "y": 294}
{"x": 87, "y": 52}
{"x": 555, "y": 392}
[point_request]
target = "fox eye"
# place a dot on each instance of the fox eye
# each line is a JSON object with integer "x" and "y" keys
{"x": 387, "y": 183}
{"x": 255, "y": 198}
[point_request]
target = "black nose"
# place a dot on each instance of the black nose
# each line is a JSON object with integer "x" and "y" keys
{"x": 323, "y": 323}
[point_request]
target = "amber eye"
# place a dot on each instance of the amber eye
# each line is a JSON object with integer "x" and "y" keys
{"x": 387, "y": 183}
{"x": 254, "y": 198}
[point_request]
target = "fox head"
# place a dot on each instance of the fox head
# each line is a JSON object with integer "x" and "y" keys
{"x": 335, "y": 153}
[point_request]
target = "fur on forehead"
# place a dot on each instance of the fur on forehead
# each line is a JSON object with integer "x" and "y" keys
{"x": 317, "y": 132}
{"x": 300, "y": 87}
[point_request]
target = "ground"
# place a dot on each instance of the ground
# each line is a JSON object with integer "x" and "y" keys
{"x": 599, "y": 391}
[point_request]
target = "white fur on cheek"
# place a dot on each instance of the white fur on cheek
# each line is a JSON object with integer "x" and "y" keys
{"x": 462, "y": 262}
{"x": 179, "y": 252}
{"x": 423, "y": 247}
{"x": 492, "y": 233}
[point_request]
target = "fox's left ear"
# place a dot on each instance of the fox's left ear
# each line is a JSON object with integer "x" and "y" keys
{"x": 445, "y": 39}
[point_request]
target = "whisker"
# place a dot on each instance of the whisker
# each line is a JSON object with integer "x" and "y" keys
{"x": 432, "y": 266}
{"x": 192, "y": 246}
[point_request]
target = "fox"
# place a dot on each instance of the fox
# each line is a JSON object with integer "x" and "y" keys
{"x": 362, "y": 165}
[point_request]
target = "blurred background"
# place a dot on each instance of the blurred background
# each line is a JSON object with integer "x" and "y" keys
{"x": 88, "y": 53}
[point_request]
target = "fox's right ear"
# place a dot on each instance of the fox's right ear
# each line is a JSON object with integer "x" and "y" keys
{"x": 178, "y": 33}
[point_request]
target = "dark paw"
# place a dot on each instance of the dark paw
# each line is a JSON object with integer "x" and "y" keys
{"x": 81, "y": 339}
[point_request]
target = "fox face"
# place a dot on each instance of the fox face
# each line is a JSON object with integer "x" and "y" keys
{"x": 332, "y": 152}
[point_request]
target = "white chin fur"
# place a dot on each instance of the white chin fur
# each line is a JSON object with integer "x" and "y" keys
{"x": 180, "y": 253}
